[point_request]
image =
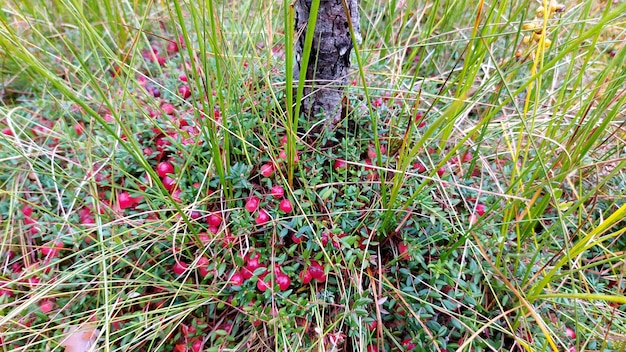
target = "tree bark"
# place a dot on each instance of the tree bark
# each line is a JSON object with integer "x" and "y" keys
{"x": 329, "y": 62}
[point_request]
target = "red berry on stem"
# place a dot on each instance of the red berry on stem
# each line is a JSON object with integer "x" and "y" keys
{"x": 172, "y": 47}
{"x": 214, "y": 220}
{"x": 252, "y": 203}
{"x": 184, "y": 91}
{"x": 277, "y": 192}
{"x": 179, "y": 268}
{"x": 267, "y": 169}
{"x": 168, "y": 108}
{"x": 51, "y": 250}
{"x": 261, "y": 284}
{"x": 285, "y": 205}
{"x": 196, "y": 345}
{"x": 403, "y": 250}
{"x": 164, "y": 168}
{"x": 125, "y": 201}
{"x": 203, "y": 266}
{"x": 570, "y": 333}
{"x": 295, "y": 238}
{"x": 283, "y": 281}
{"x": 371, "y": 326}
{"x": 262, "y": 217}
{"x": 236, "y": 279}
{"x": 419, "y": 167}
{"x": 46, "y": 306}
{"x": 317, "y": 271}
{"x": 305, "y": 276}
{"x": 340, "y": 164}
{"x": 176, "y": 195}
{"x": 408, "y": 344}
{"x": 324, "y": 238}
{"x": 27, "y": 210}
{"x": 169, "y": 183}
{"x": 480, "y": 209}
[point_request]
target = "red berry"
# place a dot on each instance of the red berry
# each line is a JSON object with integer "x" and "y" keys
{"x": 403, "y": 250}
{"x": 253, "y": 262}
{"x": 262, "y": 217}
{"x": 570, "y": 333}
{"x": 408, "y": 344}
{"x": 204, "y": 238}
{"x": 27, "y": 210}
{"x": 184, "y": 91}
{"x": 267, "y": 169}
{"x": 340, "y": 164}
{"x": 176, "y": 195}
{"x": 419, "y": 167}
{"x": 305, "y": 276}
{"x": 196, "y": 345}
{"x": 317, "y": 271}
{"x": 283, "y": 155}
{"x": 295, "y": 238}
{"x": 467, "y": 157}
{"x": 277, "y": 192}
{"x": 164, "y": 168}
{"x": 214, "y": 220}
{"x": 285, "y": 205}
{"x": 261, "y": 284}
{"x": 480, "y": 209}
{"x": 246, "y": 273}
{"x": 372, "y": 325}
{"x": 377, "y": 102}
{"x": 172, "y": 47}
{"x": 179, "y": 268}
{"x": 7, "y": 132}
{"x": 324, "y": 238}
{"x": 162, "y": 143}
{"x": 441, "y": 171}
{"x": 236, "y": 279}
{"x": 169, "y": 183}
{"x": 252, "y": 203}
{"x": 203, "y": 266}
{"x": 147, "y": 151}
{"x": 51, "y": 250}
{"x": 283, "y": 281}
{"x": 79, "y": 128}
{"x": 371, "y": 152}
{"x": 168, "y": 108}
{"x": 125, "y": 201}
{"x": 46, "y": 306}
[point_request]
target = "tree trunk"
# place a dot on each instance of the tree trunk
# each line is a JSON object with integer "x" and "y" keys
{"x": 329, "y": 62}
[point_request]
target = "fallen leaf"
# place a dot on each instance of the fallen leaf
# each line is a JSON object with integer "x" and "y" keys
{"x": 80, "y": 338}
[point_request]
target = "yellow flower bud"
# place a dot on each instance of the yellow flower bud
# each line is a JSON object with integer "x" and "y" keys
{"x": 539, "y": 12}
{"x": 526, "y": 39}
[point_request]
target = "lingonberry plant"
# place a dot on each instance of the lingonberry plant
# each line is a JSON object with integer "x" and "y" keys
{"x": 159, "y": 192}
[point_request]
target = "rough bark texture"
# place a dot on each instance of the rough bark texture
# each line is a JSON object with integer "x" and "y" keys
{"x": 327, "y": 72}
